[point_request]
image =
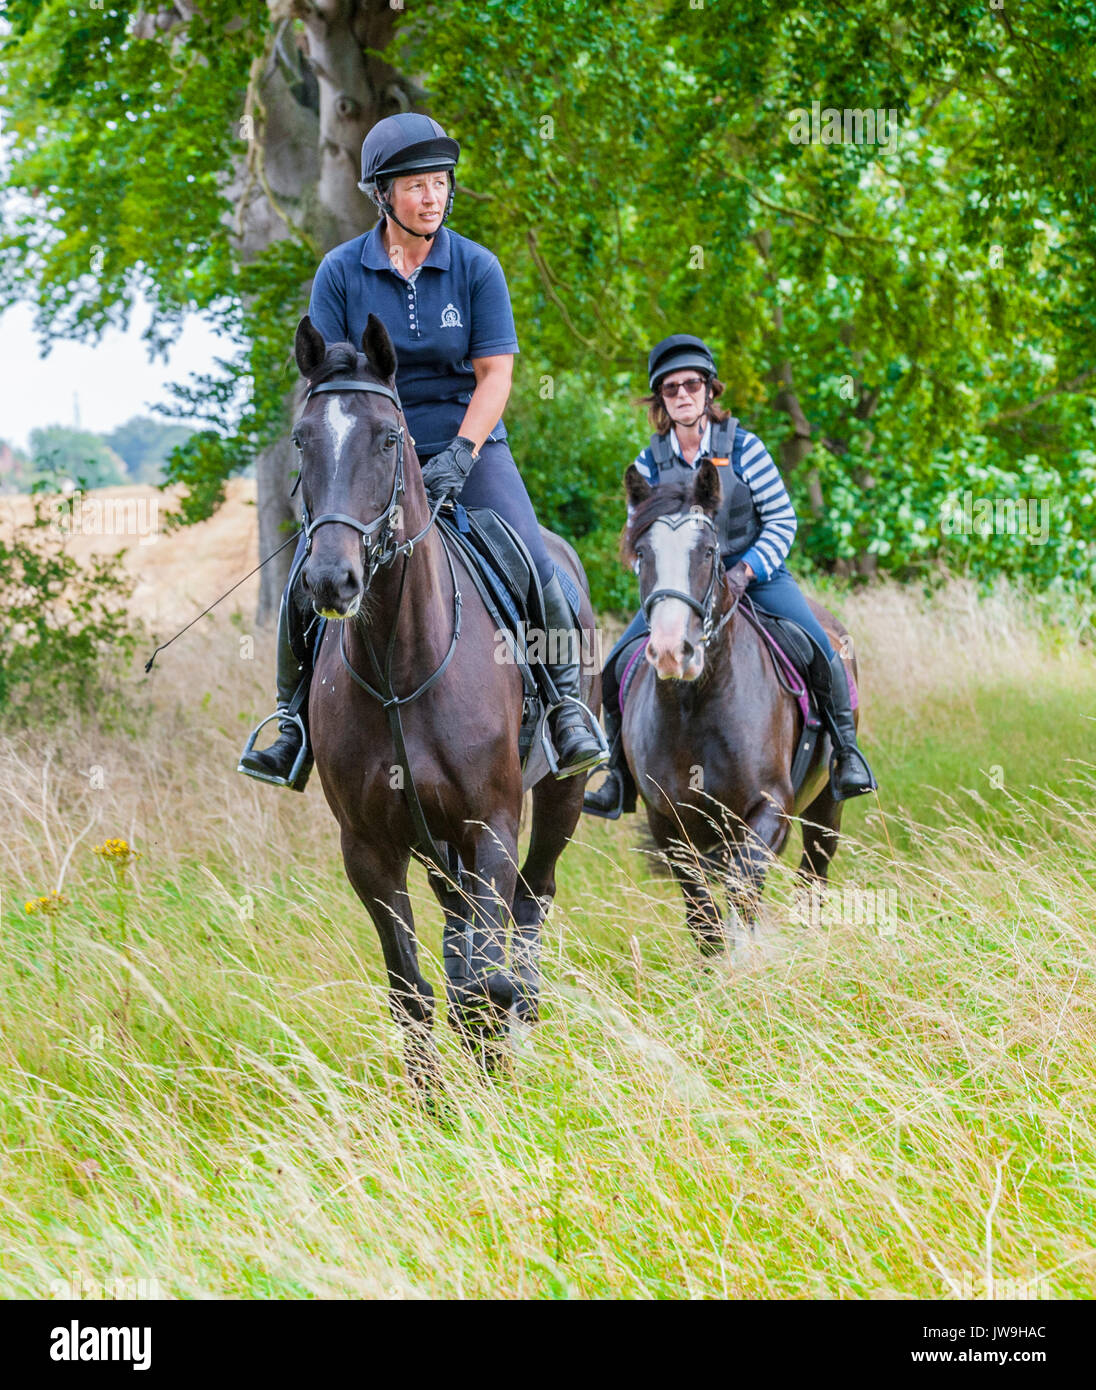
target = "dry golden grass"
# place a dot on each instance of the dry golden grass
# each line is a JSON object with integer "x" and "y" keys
{"x": 201, "y": 1085}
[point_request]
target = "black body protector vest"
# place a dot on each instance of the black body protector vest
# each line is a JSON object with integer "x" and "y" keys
{"x": 737, "y": 521}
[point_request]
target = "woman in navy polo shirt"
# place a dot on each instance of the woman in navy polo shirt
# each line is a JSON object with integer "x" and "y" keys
{"x": 444, "y": 301}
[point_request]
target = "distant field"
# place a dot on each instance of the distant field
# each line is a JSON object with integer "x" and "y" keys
{"x": 201, "y": 1085}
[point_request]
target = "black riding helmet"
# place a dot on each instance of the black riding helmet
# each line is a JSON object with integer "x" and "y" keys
{"x": 678, "y": 351}
{"x": 408, "y": 143}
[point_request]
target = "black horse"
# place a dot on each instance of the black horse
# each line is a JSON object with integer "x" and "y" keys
{"x": 382, "y": 573}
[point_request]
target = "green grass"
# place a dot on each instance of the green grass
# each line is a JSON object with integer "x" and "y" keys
{"x": 217, "y": 1101}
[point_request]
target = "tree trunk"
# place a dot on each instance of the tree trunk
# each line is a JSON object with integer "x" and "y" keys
{"x": 316, "y": 89}
{"x": 315, "y": 122}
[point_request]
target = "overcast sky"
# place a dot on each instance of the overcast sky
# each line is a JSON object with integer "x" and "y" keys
{"x": 107, "y": 383}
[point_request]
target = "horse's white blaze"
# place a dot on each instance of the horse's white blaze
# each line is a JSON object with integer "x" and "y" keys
{"x": 670, "y": 550}
{"x": 339, "y": 423}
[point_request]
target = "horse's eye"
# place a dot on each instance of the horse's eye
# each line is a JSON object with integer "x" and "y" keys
{"x": 390, "y": 441}
{"x": 709, "y": 552}
{"x": 296, "y": 442}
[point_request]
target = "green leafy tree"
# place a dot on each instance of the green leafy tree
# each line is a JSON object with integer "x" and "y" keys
{"x": 207, "y": 157}
{"x": 66, "y": 639}
{"x": 903, "y": 315}
{"x": 16, "y": 469}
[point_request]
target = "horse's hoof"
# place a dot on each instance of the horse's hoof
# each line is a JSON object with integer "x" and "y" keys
{"x": 521, "y": 1034}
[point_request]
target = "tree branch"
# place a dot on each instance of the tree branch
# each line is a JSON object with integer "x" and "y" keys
{"x": 1065, "y": 389}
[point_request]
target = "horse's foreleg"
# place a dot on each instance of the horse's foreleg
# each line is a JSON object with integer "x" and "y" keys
{"x": 483, "y": 1015}
{"x": 453, "y": 892}
{"x": 765, "y": 830}
{"x": 381, "y": 883}
{"x": 692, "y": 870}
{"x": 557, "y": 806}
{"x": 821, "y": 832}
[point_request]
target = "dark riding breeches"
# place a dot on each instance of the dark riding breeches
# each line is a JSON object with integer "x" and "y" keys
{"x": 496, "y": 483}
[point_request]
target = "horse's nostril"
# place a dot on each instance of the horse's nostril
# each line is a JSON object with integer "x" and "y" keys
{"x": 686, "y": 650}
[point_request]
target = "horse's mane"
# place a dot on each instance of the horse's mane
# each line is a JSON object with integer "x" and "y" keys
{"x": 665, "y": 500}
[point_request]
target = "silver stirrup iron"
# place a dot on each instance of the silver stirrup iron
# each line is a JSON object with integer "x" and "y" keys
{"x": 282, "y": 716}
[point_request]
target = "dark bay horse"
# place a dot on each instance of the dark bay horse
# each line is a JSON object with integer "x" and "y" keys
{"x": 708, "y": 732}
{"x": 382, "y": 574}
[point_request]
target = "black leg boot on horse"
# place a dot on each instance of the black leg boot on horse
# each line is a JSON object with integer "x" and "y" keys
{"x": 850, "y": 774}
{"x": 578, "y": 748}
{"x": 617, "y": 793}
{"x": 288, "y": 760}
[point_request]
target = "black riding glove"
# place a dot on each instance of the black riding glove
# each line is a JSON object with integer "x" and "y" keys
{"x": 444, "y": 474}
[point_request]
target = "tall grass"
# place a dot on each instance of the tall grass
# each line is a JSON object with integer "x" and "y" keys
{"x": 201, "y": 1083}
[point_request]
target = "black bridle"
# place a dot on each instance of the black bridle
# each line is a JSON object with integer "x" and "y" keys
{"x": 704, "y": 607}
{"x": 386, "y": 552}
{"x": 380, "y": 556}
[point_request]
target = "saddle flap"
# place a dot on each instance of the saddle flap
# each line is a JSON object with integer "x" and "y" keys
{"x": 626, "y": 666}
{"x": 791, "y": 639}
{"x": 505, "y": 551}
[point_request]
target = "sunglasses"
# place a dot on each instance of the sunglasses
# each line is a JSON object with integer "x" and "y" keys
{"x": 692, "y": 385}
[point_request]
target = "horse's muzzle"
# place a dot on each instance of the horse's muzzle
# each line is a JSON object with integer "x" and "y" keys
{"x": 681, "y": 661}
{"x": 335, "y": 590}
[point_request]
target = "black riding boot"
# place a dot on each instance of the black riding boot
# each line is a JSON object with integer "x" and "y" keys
{"x": 850, "y": 774}
{"x": 276, "y": 764}
{"x": 578, "y": 748}
{"x": 618, "y": 792}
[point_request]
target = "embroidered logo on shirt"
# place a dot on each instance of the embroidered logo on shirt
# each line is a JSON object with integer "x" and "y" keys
{"x": 450, "y": 317}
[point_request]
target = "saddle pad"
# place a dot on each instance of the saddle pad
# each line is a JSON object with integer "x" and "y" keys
{"x": 501, "y": 586}
{"x": 627, "y": 664}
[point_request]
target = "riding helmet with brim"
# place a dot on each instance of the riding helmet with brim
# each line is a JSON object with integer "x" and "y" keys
{"x": 408, "y": 143}
{"x": 404, "y": 144}
{"x": 677, "y": 352}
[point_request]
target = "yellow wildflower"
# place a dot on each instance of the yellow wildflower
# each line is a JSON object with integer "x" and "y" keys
{"x": 48, "y": 902}
{"x": 118, "y": 851}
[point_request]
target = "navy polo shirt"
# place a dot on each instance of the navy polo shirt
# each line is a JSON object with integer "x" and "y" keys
{"x": 457, "y": 307}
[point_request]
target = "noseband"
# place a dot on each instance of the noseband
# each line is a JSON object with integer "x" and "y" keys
{"x": 704, "y": 608}
{"x": 387, "y": 549}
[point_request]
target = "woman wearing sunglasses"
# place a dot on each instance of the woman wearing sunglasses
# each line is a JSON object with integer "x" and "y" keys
{"x": 756, "y": 524}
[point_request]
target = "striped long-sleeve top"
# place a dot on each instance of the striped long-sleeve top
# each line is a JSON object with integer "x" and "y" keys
{"x": 753, "y": 464}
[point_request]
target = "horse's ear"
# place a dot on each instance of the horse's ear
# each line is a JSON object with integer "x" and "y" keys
{"x": 636, "y": 488}
{"x": 377, "y": 346}
{"x": 309, "y": 347}
{"x": 707, "y": 491}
